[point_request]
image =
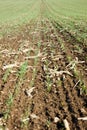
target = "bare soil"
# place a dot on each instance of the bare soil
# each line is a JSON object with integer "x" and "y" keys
{"x": 55, "y": 96}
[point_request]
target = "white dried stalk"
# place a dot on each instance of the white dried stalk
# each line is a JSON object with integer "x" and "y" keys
{"x": 10, "y": 66}
{"x": 53, "y": 72}
{"x": 16, "y": 64}
{"x": 13, "y": 71}
{"x": 29, "y": 92}
{"x": 56, "y": 119}
{"x": 13, "y": 53}
{"x": 26, "y": 50}
{"x": 24, "y": 120}
{"x": 66, "y": 124}
{"x": 33, "y": 116}
{"x": 73, "y": 63}
{"x": 83, "y": 118}
{"x": 4, "y": 51}
{"x": 1, "y": 122}
{"x": 76, "y": 84}
{"x": 32, "y": 57}
{"x": 9, "y": 53}
{"x": 43, "y": 59}
{"x": 55, "y": 58}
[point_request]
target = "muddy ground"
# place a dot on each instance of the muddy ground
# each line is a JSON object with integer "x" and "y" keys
{"x": 42, "y": 79}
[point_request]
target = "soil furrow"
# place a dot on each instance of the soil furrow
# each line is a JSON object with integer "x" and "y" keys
{"x": 41, "y": 91}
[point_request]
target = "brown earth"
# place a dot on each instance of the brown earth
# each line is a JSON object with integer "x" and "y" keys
{"x": 56, "y": 95}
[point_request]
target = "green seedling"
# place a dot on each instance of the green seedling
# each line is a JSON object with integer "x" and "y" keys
{"x": 2, "y": 127}
{"x": 79, "y": 49}
{"x": 62, "y": 46}
{"x": 39, "y": 45}
{"x": 17, "y": 88}
{"x": 48, "y": 123}
{"x": 59, "y": 83}
{"x": 25, "y": 119}
{"x": 46, "y": 63}
{"x": 5, "y": 76}
{"x": 34, "y": 70}
{"x": 35, "y": 61}
{"x": 9, "y": 103}
{"x": 86, "y": 58}
{"x": 33, "y": 77}
{"x": 10, "y": 100}
{"x": 76, "y": 74}
{"x": 83, "y": 88}
{"x": 48, "y": 83}
{"x": 22, "y": 70}
{"x": 69, "y": 58}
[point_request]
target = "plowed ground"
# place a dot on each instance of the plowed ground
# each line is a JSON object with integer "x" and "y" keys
{"x": 40, "y": 88}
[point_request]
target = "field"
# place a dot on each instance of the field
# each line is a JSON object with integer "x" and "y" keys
{"x": 43, "y": 65}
